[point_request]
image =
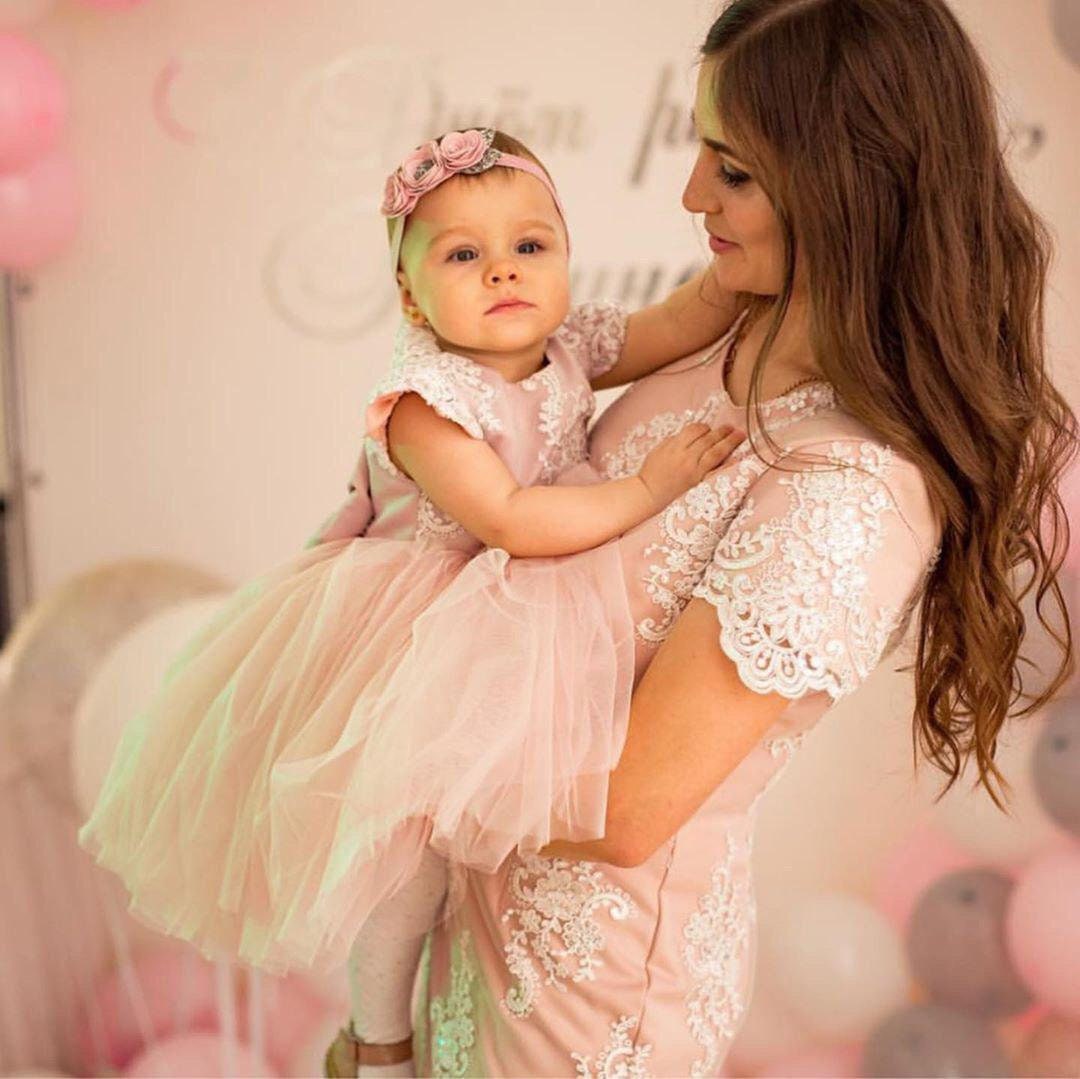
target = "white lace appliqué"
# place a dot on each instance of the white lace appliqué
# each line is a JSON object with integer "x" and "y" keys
{"x": 554, "y": 925}
{"x": 691, "y": 526}
{"x": 627, "y": 457}
{"x": 717, "y": 953}
{"x": 596, "y": 332}
{"x": 564, "y": 421}
{"x": 453, "y": 1030}
{"x": 690, "y": 529}
{"x": 420, "y": 366}
{"x": 619, "y": 1059}
{"x": 790, "y": 595}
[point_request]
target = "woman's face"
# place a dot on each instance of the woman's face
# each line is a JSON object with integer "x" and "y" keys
{"x": 744, "y": 232}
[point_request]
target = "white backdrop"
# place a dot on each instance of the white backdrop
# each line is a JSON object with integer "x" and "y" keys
{"x": 196, "y": 366}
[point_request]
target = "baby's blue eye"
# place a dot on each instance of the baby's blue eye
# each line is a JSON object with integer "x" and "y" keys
{"x": 531, "y": 244}
{"x": 466, "y": 254}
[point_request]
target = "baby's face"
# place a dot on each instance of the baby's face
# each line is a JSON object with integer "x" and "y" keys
{"x": 475, "y": 243}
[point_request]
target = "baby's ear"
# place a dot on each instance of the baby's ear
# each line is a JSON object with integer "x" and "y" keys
{"x": 408, "y": 304}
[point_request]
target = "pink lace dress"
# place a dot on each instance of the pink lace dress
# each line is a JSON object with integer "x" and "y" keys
{"x": 294, "y": 764}
{"x": 551, "y": 967}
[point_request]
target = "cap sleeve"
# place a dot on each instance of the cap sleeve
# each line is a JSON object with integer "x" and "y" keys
{"x": 819, "y": 567}
{"x": 449, "y": 384}
{"x": 594, "y": 333}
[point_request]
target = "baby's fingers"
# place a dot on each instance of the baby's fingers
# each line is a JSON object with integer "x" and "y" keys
{"x": 720, "y": 448}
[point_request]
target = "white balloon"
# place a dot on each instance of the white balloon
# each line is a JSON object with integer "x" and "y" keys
{"x": 973, "y": 820}
{"x": 839, "y": 964}
{"x": 123, "y": 683}
{"x": 23, "y": 12}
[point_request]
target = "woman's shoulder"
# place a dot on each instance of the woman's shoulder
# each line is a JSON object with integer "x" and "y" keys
{"x": 853, "y": 448}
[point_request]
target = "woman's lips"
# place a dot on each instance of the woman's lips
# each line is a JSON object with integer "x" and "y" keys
{"x": 720, "y": 246}
{"x": 508, "y": 305}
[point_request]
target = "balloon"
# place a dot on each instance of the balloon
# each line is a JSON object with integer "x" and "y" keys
{"x": 308, "y": 1057}
{"x": 979, "y": 827}
{"x": 33, "y": 103}
{"x": 110, "y": 5}
{"x": 1056, "y": 765}
{"x": 956, "y": 944}
{"x": 59, "y": 641}
{"x": 123, "y": 684}
{"x": 22, "y": 12}
{"x": 39, "y": 211}
{"x": 1042, "y": 929}
{"x": 840, "y": 1062}
{"x": 1051, "y": 1049}
{"x": 196, "y": 1056}
{"x": 932, "y": 1040}
{"x": 768, "y": 1032}
{"x": 175, "y": 990}
{"x": 840, "y": 964}
{"x": 910, "y": 867}
{"x": 289, "y": 1011}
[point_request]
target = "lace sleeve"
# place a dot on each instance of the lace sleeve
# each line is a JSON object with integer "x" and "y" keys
{"x": 594, "y": 333}
{"x": 820, "y": 567}
{"x": 445, "y": 381}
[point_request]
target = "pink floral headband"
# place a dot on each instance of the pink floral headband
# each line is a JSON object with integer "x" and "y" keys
{"x": 429, "y": 165}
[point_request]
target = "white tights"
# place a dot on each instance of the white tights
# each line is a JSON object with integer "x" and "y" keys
{"x": 385, "y": 954}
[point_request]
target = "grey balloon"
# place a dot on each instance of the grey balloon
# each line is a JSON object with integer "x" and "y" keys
{"x": 956, "y": 944}
{"x": 1055, "y": 764}
{"x": 932, "y": 1040}
{"x": 1065, "y": 18}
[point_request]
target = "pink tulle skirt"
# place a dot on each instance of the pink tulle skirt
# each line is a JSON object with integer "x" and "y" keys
{"x": 365, "y": 699}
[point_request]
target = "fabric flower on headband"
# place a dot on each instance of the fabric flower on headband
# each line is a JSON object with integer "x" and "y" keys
{"x": 430, "y": 164}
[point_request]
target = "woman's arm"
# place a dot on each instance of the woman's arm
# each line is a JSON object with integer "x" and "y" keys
{"x": 693, "y": 316}
{"x": 467, "y": 479}
{"x": 692, "y": 720}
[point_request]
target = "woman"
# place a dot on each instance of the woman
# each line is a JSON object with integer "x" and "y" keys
{"x": 904, "y": 445}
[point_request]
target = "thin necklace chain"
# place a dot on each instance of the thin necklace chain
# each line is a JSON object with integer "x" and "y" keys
{"x": 730, "y": 361}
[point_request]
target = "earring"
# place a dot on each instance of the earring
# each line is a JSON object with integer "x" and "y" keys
{"x": 415, "y": 315}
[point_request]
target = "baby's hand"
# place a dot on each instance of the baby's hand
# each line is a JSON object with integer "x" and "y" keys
{"x": 683, "y": 460}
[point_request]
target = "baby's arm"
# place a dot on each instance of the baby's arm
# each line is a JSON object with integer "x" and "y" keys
{"x": 693, "y": 316}
{"x": 467, "y": 479}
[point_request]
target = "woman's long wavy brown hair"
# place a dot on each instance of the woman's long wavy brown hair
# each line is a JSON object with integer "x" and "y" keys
{"x": 872, "y": 126}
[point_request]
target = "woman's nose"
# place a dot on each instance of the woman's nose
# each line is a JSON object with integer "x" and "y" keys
{"x": 700, "y": 195}
{"x": 502, "y": 272}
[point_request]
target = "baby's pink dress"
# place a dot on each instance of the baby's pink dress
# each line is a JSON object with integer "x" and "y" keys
{"x": 293, "y": 765}
{"x": 554, "y": 967}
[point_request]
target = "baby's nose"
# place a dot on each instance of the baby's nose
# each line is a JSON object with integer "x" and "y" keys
{"x": 502, "y": 272}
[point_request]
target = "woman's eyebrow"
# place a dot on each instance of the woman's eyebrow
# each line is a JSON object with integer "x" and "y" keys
{"x": 713, "y": 144}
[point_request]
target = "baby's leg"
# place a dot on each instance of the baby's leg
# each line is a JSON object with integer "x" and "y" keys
{"x": 385, "y": 954}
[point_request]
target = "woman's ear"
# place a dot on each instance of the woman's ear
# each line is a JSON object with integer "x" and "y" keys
{"x": 408, "y": 305}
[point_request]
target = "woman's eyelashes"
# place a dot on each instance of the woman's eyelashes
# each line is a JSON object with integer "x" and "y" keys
{"x": 732, "y": 177}
{"x": 522, "y": 247}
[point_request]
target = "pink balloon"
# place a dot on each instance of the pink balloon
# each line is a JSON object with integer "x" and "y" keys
{"x": 110, "y": 5}
{"x": 1042, "y": 929}
{"x": 290, "y": 1009}
{"x": 910, "y": 867}
{"x": 197, "y": 1056}
{"x": 33, "y": 103}
{"x": 39, "y": 211}
{"x": 841, "y": 1062}
{"x": 178, "y": 991}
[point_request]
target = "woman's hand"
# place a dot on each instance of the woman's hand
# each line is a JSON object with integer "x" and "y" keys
{"x": 685, "y": 459}
{"x": 692, "y": 720}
